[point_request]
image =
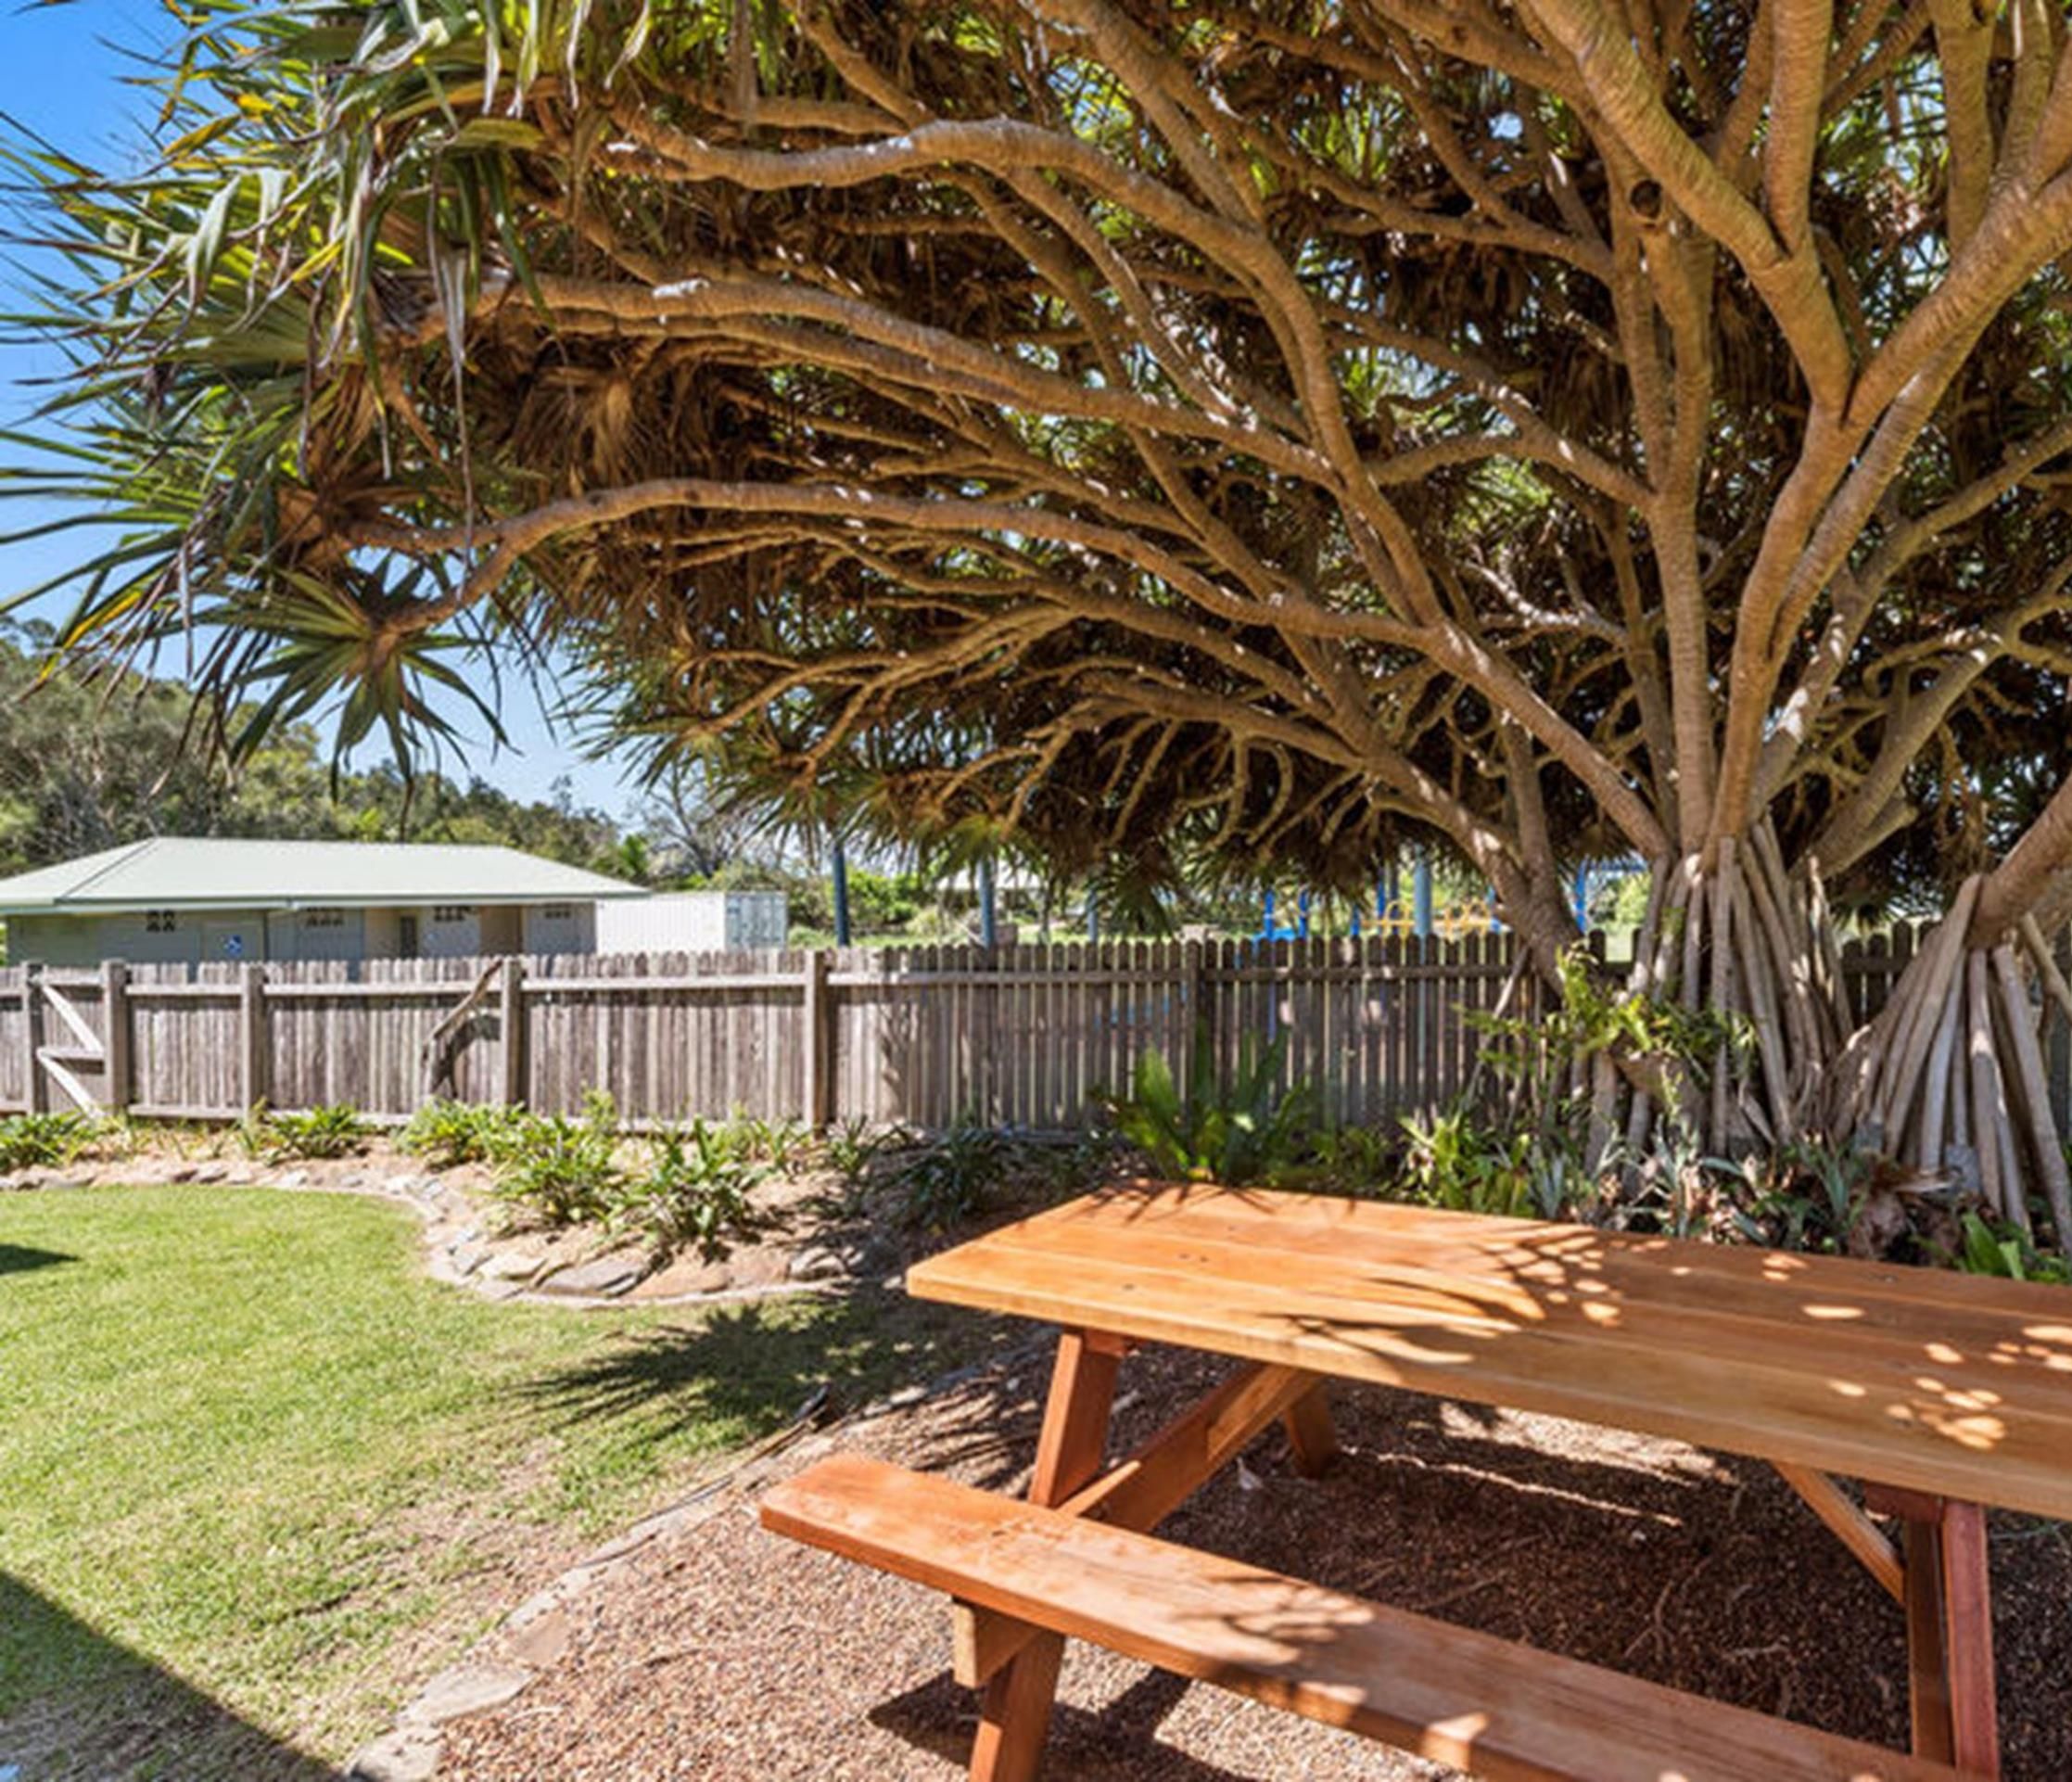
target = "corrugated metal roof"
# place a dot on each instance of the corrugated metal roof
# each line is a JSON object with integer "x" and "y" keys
{"x": 170, "y": 871}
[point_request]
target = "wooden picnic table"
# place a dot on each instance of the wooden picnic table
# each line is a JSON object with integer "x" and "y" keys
{"x": 1941, "y": 1392}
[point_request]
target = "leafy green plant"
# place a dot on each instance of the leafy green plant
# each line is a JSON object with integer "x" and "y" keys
{"x": 1357, "y": 1160}
{"x": 1808, "y": 1195}
{"x": 695, "y": 1192}
{"x": 118, "y": 1134}
{"x": 952, "y": 1176}
{"x": 42, "y": 1140}
{"x": 334, "y": 1130}
{"x": 1537, "y": 1051}
{"x": 1457, "y": 1161}
{"x": 1556, "y": 1181}
{"x": 558, "y": 1171}
{"x": 445, "y": 1133}
{"x": 852, "y": 1147}
{"x": 781, "y": 1143}
{"x": 1253, "y": 1131}
{"x": 2004, "y": 1251}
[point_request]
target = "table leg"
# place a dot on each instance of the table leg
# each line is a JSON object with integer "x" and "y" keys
{"x": 1311, "y": 1438}
{"x": 1968, "y": 1638}
{"x": 1949, "y": 1629}
{"x": 1015, "y": 1716}
{"x": 1927, "y": 1671}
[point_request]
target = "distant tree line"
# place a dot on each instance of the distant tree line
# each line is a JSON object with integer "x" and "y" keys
{"x": 87, "y": 765}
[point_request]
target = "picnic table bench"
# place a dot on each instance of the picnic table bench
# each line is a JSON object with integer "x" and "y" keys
{"x": 1942, "y": 1392}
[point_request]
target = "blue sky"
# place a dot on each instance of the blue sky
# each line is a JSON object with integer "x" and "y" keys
{"x": 62, "y": 76}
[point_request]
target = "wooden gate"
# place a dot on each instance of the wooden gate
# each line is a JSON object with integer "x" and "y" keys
{"x": 78, "y": 1038}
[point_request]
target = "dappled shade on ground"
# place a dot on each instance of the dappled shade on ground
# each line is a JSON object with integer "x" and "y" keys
{"x": 723, "y": 1654}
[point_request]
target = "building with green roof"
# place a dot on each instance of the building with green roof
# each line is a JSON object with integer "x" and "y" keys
{"x": 172, "y": 899}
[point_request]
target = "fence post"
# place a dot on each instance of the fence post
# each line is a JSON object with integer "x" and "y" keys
{"x": 818, "y": 1113}
{"x": 38, "y": 1089}
{"x": 982, "y": 1045}
{"x": 251, "y": 1034}
{"x": 1194, "y": 1013}
{"x": 511, "y": 1027}
{"x": 117, "y": 1075}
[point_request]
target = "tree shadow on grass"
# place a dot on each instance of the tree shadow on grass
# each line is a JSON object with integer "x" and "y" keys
{"x": 754, "y": 1364}
{"x": 115, "y": 1716}
{"x": 20, "y": 1259}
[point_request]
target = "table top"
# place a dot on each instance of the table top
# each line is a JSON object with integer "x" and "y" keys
{"x": 1943, "y": 1383}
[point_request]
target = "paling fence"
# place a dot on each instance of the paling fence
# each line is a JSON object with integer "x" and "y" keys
{"x": 1027, "y": 1035}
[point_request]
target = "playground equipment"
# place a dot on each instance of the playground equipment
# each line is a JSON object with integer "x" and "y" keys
{"x": 1391, "y": 916}
{"x": 1270, "y": 929}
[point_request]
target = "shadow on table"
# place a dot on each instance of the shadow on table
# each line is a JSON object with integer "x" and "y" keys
{"x": 117, "y": 1715}
{"x": 20, "y": 1259}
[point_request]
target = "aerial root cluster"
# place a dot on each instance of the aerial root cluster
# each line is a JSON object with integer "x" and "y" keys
{"x": 1947, "y": 1078}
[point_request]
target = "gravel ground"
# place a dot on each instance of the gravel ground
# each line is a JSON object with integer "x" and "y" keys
{"x": 724, "y": 1653}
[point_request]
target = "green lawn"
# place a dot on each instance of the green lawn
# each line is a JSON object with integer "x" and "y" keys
{"x": 248, "y": 1453}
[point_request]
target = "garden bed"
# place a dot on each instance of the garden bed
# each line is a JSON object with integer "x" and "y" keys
{"x": 586, "y": 1211}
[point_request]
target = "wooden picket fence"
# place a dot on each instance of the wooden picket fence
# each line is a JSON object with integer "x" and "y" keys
{"x": 1029, "y": 1036}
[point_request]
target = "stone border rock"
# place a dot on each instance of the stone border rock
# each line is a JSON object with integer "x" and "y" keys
{"x": 460, "y": 1251}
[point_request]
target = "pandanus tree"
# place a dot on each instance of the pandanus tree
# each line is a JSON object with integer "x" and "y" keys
{"x": 1230, "y": 430}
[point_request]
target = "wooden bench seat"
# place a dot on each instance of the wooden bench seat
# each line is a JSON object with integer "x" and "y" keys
{"x": 1484, "y": 1705}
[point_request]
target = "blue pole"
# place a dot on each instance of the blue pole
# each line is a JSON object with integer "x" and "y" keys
{"x": 1420, "y": 893}
{"x": 1301, "y": 915}
{"x": 1093, "y": 915}
{"x": 1583, "y": 896}
{"x": 1267, "y": 923}
{"x": 989, "y": 915}
{"x": 841, "y": 866}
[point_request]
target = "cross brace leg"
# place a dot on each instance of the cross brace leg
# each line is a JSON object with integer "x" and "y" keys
{"x": 1949, "y": 1628}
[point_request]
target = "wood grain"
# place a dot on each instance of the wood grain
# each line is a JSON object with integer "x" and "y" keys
{"x": 1494, "y": 1709}
{"x": 1946, "y": 1383}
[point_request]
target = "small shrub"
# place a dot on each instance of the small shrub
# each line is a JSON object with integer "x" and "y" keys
{"x": 952, "y": 1178}
{"x": 445, "y": 1133}
{"x": 1675, "y": 1048}
{"x": 557, "y": 1171}
{"x": 781, "y": 1143}
{"x": 1808, "y": 1195}
{"x": 1073, "y": 1168}
{"x": 695, "y": 1193}
{"x": 2006, "y": 1251}
{"x": 1254, "y": 1132}
{"x": 852, "y": 1147}
{"x": 119, "y": 1135}
{"x": 336, "y": 1130}
{"x": 1357, "y": 1160}
{"x": 1458, "y": 1162}
{"x": 42, "y": 1140}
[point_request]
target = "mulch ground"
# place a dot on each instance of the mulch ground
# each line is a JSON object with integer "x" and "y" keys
{"x": 723, "y": 1653}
